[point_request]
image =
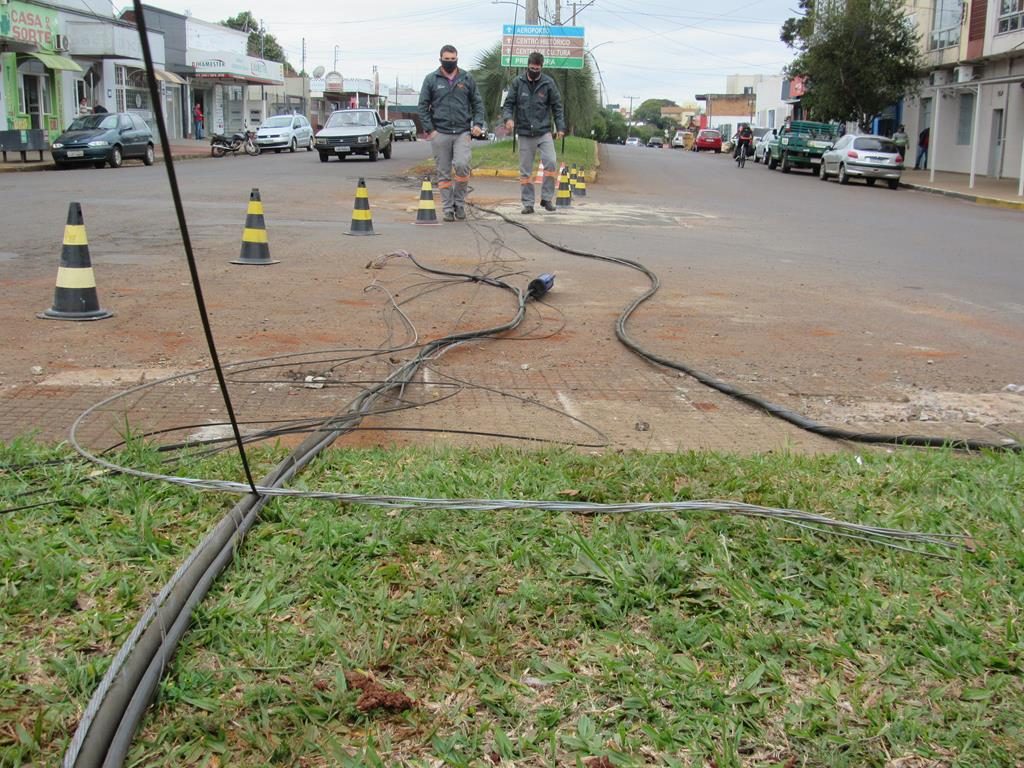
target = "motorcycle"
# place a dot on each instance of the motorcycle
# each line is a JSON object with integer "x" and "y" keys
{"x": 220, "y": 144}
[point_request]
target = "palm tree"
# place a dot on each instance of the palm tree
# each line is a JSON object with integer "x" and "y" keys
{"x": 579, "y": 95}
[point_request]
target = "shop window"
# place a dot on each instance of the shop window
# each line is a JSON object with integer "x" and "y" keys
{"x": 965, "y": 119}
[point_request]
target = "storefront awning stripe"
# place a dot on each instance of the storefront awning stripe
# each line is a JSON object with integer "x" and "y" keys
{"x": 55, "y": 61}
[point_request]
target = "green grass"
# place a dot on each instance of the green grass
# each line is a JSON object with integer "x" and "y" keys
{"x": 534, "y": 638}
{"x": 499, "y": 154}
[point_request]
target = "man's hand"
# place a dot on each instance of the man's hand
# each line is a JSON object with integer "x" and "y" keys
{"x": 509, "y": 125}
{"x": 476, "y": 130}
{"x": 560, "y": 134}
{"x": 431, "y": 135}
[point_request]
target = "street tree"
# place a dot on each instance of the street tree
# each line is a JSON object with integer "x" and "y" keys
{"x": 858, "y": 58}
{"x": 261, "y": 45}
{"x": 579, "y": 96}
{"x": 649, "y": 112}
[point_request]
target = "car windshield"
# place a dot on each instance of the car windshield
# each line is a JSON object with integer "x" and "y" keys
{"x": 343, "y": 119}
{"x": 874, "y": 144}
{"x": 93, "y": 122}
{"x": 281, "y": 121}
{"x": 404, "y": 123}
{"x": 710, "y": 134}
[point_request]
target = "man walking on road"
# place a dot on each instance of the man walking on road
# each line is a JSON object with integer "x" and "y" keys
{"x": 532, "y": 98}
{"x": 451, "y": 109}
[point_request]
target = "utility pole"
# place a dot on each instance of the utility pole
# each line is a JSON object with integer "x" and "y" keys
{"x": 304, "y": 56}
{"x": 558, "y": 13}
{"x": 335, "y": 58}
{"x": 629, "y": 120}
{"x": 532, "y": 12}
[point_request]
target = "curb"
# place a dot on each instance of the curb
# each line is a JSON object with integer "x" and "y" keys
{"x": 48, "y": 165}
{"x": 994, "y": 202}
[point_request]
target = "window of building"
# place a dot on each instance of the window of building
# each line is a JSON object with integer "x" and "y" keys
{"x": 1011, "y": 16}
{"x": 946, "y": 24}
{"x": 965, "y": 120}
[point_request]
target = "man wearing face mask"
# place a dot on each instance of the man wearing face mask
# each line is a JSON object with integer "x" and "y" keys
{"x": 532, "y": 98}
{"x": 450, "y": 110}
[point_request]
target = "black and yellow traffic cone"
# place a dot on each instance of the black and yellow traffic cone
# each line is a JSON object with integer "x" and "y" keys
{"x": 362, "y": 220}
{"x": 580, "y": 187}
{"x": 427, "y": 212}
{"x": 75, "y": 297}
{"x": 563, "y": 198}
{"x": 255, "y": 248}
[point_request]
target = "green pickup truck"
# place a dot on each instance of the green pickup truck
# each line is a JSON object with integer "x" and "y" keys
{"x": 800, "y": 145}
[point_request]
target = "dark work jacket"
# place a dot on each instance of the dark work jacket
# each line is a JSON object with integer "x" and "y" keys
{"x": 450, "y": 106}
{"x": 530, "y": 104}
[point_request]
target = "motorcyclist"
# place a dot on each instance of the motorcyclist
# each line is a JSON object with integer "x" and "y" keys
{"x": 745, "y": 135}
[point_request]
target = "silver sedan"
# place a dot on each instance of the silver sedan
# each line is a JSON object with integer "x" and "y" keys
{"x": 867, "y": 157}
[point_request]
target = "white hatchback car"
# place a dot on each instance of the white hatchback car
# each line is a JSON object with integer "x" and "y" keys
{"x": 285, "y": 132}
{"x": 866, "y": 157}
{"x": 633, "y": 141}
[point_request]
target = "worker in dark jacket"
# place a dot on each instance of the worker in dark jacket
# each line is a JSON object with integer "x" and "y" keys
{"x": 451, "y": 109}
{"x": 531, "y": 100}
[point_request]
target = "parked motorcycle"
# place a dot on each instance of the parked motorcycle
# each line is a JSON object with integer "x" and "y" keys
{"x": 220, "y": 144}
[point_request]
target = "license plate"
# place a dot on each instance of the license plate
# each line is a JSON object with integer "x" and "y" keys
{"x": 877, "y": 159}
{"x": 76, "y": 153}
{"x": 815, "y": 161}
{"x": 342, "y": 150}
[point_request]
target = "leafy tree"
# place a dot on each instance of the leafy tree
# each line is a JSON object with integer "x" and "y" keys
{"x": 609, "y": 126}
{"x": 579, "y": 97}
{"x": 650, "y": 112}
{"x": 858, "y": 58}
{"x": 261, "y": 47}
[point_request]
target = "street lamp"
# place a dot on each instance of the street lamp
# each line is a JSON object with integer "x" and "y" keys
{"x": 336, "y": 57}
{"x": 600, "y": 77}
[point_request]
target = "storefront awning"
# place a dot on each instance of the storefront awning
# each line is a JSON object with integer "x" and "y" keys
{"x": 56, "y": 61}
{"x": 168, "y": 77}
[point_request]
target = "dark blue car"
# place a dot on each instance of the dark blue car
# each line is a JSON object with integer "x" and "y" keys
{"x": 109, "y": 137}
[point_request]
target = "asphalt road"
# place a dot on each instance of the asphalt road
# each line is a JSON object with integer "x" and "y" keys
{"x": 859, "y": 306}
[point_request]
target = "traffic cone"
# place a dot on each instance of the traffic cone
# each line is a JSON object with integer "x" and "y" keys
{"x": 362, "y": 220}
{"x": 255, "y": 249}
{"x": 75, "y": 297}
{"x": 563, "y": 198}
{"x": 581, "y": 184}
{"x": 427, "y": 212}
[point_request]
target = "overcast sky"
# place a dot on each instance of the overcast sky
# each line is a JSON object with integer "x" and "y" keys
{"x": 668, "y": 49}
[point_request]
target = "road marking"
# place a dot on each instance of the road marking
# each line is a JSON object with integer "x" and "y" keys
{"x": 568, "y": 405}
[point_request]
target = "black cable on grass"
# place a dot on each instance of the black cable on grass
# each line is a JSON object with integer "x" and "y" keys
{"x": 778, "y": 411}
{"x": 51, "y": 502}
{"x": 172, "y": 177}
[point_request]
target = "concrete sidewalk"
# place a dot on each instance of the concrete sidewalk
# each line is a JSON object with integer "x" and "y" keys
{"x": 181, "y": 149}
{"x": 998, "y": 192}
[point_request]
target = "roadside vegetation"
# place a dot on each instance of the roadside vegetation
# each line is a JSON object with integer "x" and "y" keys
{"x": 499, "y": 155}
{"x": 530, "y": 639}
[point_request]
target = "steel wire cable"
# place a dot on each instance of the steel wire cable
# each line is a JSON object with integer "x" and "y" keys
{"x": 778, "y": 411}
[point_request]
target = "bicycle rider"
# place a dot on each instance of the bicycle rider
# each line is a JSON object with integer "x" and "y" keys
{"x": 745, "y": 135}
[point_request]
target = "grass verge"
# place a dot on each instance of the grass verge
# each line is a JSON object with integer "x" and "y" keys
{"x": 532, "y": 639}
{"x": 499, "y": 156}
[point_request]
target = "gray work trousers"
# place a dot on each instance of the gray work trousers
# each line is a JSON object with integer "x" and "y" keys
{"x": 528, "y": 146}
{"x": 451, "y": 152}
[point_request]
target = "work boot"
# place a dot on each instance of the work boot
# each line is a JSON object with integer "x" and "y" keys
{"x": 527, "y": 209}
{"x": 547, "y": 205}
{"x": 449, "y": 216}
{"x": 460, "y": 213}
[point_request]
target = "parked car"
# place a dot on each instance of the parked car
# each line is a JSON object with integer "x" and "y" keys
{"x": 866, "y": 157}
{"x": 405, "y": 130}
{"x": 682, "y": 139}
{"x": 656, "y": 141}
{"x": 761, "y": 142}
{"x": 633, "y": 141}
{"x": 709, "y": 140}
{"x": 354, "y": 132}
{"x": 800, "y": 144}
{"x": 109, "y": 137}
{"x": 285, "y": 132}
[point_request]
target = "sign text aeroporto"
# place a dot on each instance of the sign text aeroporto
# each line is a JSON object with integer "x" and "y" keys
{"x": 562, "y": 46}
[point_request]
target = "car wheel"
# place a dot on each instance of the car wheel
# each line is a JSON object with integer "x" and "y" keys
{"x": 894, "y": 183}
{"x": 294, "y": 145}
{"x": 309, "y": 145}
{"x": 150, "y": 156}
{"x": 843, "y": 178}
{"x": 772, "y": 162}
{"x": 786, "y": 166}
{"x": 374, "y": 154}
{"x": 116, "y": 159}
{"x": 869, "y": 182}
{"x": 822, "y": 175}
{"x": 324, "y": 157}
{"x": 387, "y": 151}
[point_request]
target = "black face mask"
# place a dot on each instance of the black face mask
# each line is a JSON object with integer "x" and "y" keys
{"x": 449, "y": 66}
{"x": 533, "y": 74}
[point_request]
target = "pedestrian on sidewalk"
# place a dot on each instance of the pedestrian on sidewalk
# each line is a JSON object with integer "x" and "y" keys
{"x": 922, "y": 150}
{"x": 532, "y": 99}
{"x": 83, "y": 107}
{"x": 197, "y": 118}
{"x": 900, "y": 139}
{"x": 451, "y": 110}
